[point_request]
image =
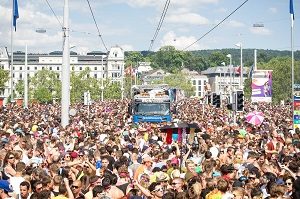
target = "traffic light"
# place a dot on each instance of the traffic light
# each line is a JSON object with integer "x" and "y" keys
{"x": 216, "y": 100}
{"x": 239, "y": 101}
{"x": 208, "y": 98}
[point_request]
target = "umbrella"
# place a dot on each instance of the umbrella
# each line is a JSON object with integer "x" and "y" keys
{"x": 255, "y": 118}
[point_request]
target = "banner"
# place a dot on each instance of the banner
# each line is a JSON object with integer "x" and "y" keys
{"x": 296, "y": 106}
{"x": 261, "y": 86}
{"x": 296, "y": 112}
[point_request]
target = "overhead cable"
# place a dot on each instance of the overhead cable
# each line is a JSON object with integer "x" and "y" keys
{"x": 61, "y": 25}
{"x": 216, "y": 25}
{"x": 99, "y": 34}
{"x": 162, "y": 17}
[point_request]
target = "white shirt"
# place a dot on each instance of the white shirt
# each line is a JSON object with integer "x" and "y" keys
{"x": 15, "y": 183}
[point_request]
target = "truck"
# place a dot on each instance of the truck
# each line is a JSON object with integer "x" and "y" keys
{"x": 153, "y": 103}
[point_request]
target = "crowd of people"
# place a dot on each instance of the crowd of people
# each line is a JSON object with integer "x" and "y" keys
{"x": 102, "y": 154}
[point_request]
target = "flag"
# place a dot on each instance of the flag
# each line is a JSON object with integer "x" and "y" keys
{"x": 15, "y": 13}
{"x": 238, "y": 70}
{"x": 128, "y": 70}
{"x": 251, "y": 71}
{"x": 292, "y": 12}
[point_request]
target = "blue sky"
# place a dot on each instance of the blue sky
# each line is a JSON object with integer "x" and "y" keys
{"x": 131, "y": 24}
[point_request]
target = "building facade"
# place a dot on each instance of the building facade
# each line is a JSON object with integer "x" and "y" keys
{"x": 108, "y": 65}
{"x": 199, "y": 82}
{"x": 222, "y": 78}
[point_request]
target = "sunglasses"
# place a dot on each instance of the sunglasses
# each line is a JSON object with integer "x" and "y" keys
{"x": 175, "y": 183}
{"x": 159, "y": 189}
{"x": 75, "y": 187}
{"x": 174, "y": 165}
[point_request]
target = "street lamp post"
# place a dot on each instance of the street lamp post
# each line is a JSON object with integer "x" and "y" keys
{"x": 230, "y": 70}
{"x": 241, "y": 71}
{"x": 102, "y": 76}
{"x": 65, "y": 75}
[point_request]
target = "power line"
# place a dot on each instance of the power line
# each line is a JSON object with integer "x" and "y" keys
{"x": 96, "y": 25}
{"x": 217, "y": 25}
{"x": 61, "y": 25}
{"x": 162, "y": 17}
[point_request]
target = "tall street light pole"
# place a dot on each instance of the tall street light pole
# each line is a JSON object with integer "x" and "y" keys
{"x": 241, "y": 71}
{"x": 230, "y": 70}
{"x": 26, "y": 81}
{"x": 65, "y": 73}
{"x": 102, "y": 74}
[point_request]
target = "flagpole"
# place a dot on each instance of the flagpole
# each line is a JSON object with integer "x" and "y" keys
{"x": 12, "y": 55}
{"x": 292, "y": 49}
{"x": 26, "y": 81}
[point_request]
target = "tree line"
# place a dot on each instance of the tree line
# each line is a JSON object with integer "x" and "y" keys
{"x": 46, "y": 86}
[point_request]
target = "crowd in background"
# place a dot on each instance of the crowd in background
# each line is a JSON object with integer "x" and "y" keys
{"x": 102, "y": 154}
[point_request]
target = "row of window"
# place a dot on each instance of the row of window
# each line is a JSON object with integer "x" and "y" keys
{"x": 113, "y": 75}
{"x": 57, "y": 68}
{"x": 199, "y": 82}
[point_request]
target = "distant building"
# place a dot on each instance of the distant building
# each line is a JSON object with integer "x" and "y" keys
{"x": 151, "y": 77}
{"x": 219, "y": 78}
{"x": 199, "y": 82}
{"x": 144, "y": 67}
{"x": 102, "y": 65}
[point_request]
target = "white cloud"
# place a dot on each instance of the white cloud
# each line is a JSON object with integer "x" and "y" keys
{"x": 152, "y": 3}
{"x": 127, "y": 47}
{"x": 260, "y": 31}
{"x": 187, "y": 18}
{"x": 273, "y": 10}
{"x": 235, "y": 24}
{"x": 221, "y": 10}
{"x": 143, "y": 3}
{"x": 179, "y": 42}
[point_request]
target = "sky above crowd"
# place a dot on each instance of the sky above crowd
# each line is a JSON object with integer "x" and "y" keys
{"x": 131, "y": 24}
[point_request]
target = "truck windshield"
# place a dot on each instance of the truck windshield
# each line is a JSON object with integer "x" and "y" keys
{"x": 152, "y": 108}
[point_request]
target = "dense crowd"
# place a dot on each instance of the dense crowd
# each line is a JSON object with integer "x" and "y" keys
{"x": 102, "y": 154}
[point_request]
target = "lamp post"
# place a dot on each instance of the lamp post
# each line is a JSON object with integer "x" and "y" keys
{"x": 241, "y": 71}
{"x": 102, "y": 77}
{"x": 230, "y": 70}
{"x": 65, "y": 75}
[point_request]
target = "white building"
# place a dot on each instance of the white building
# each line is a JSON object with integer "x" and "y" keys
{"x": 199, "y": 82}
{"x": 102, "y": 65}
{"x": 221, "y": 78}
{"x": 144, "y": 67}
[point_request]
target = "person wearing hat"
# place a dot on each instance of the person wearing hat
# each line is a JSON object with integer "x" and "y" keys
{"x": 5, "y": 188}
{"x": 146, "y": 167}
{"x": 163, "y": 179}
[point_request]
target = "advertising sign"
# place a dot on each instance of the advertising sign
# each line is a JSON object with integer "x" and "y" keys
{"x": 261, "y": 86}
{"x": 297, "y": 106}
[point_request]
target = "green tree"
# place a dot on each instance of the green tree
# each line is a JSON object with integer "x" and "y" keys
{"x": 82, "y": 82}
{"x": 112, "y": 90}
{"x": 169, "y": 59}
{"x": 178, "y": 80}
{"x": 133, "y": 57}
{"x": 20, "y": 88}
{"x": 216, "y": 59}
{"x": 45, "y": 86}
{"x": 4, "y": 77}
